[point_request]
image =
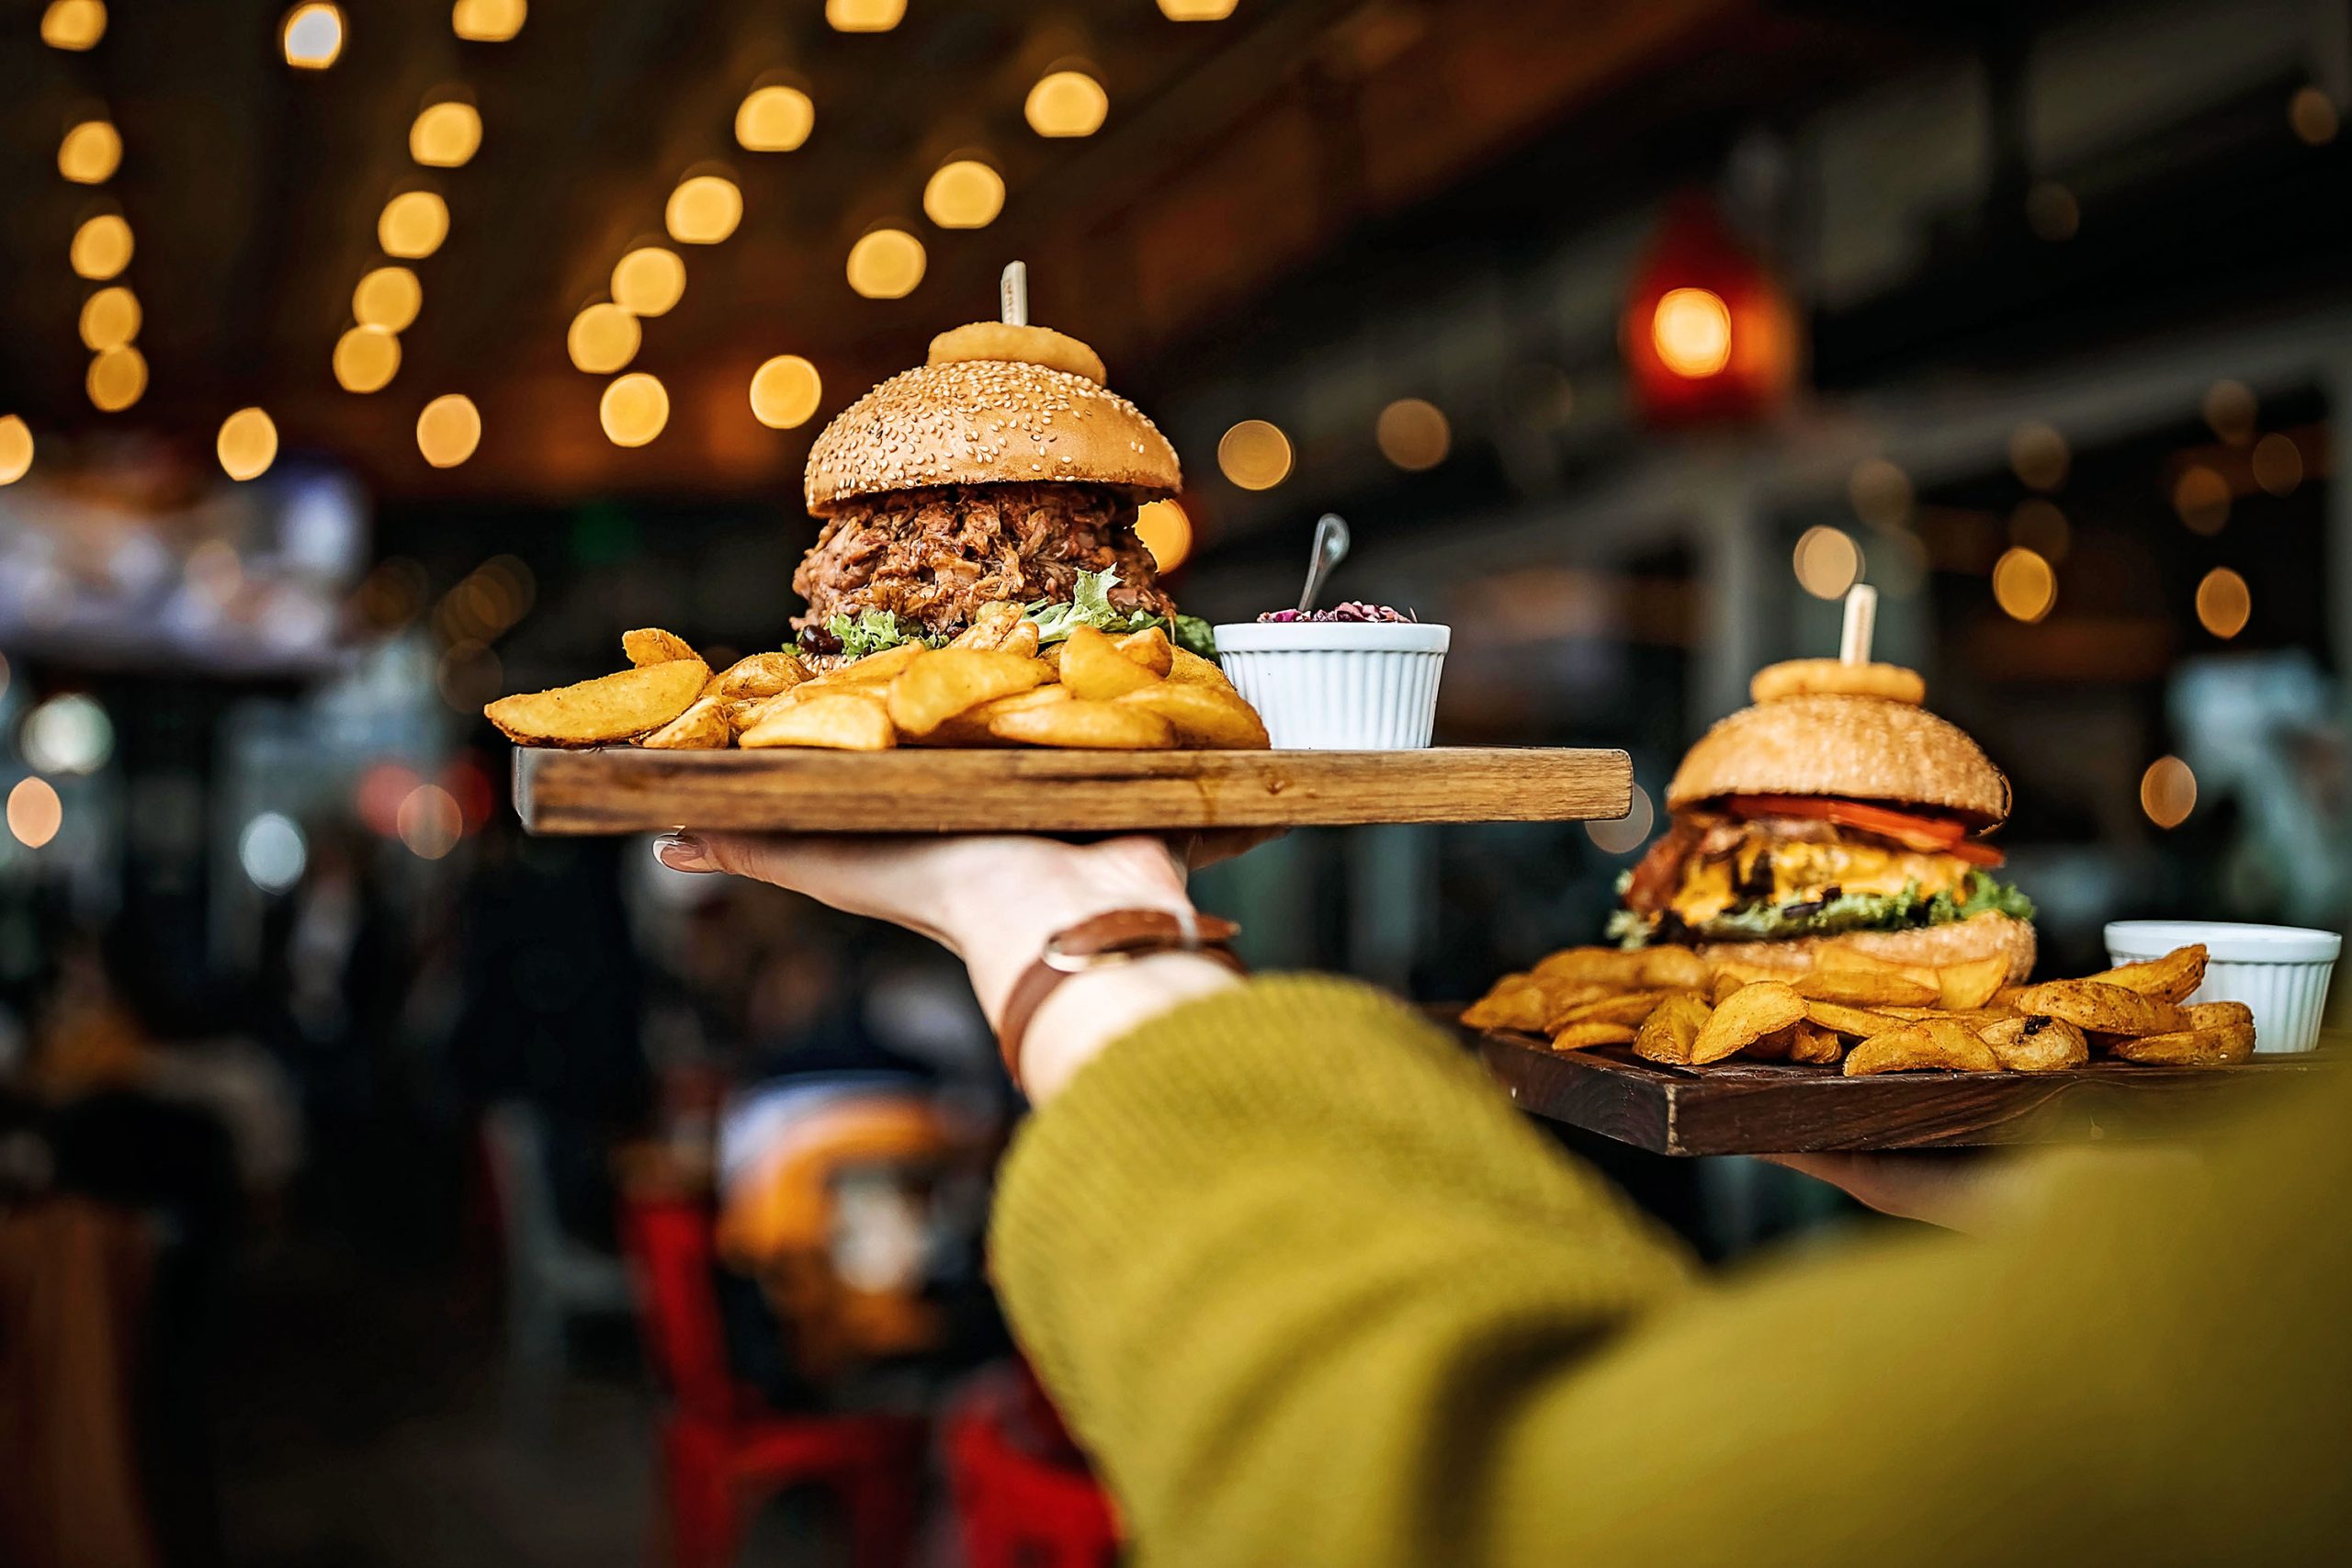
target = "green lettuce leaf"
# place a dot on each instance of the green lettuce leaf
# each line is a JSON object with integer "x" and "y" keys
{"x": 1090, "y": 605}
{"x": 1977, "y": 894}
{"x": 872, "y": 631}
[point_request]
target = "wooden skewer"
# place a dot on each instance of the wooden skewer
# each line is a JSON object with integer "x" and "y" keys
{"x": 1861, "y": 616}
{"x": 1013, "y": 294}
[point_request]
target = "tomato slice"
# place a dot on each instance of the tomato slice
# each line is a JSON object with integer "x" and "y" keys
{"x": 1929, "y": 835}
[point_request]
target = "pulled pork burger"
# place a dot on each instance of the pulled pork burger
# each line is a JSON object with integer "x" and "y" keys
{"x": 1828, "y": 820}
{"x": 1002, "y": 471}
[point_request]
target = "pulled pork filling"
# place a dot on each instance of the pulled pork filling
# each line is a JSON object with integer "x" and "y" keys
{"x": 932, "y": 557}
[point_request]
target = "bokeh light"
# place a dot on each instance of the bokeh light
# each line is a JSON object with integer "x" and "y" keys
{"x": 785, "y": 392}
{"x": 1691, "y": 329}
{"x": 90, "y": 154}
{"x": 488, "y": 21}
{"x": 648, "y": 280}
{"x": 963, "y": 193}
{"x": 2168, "y": 792}
{"x": 117, "y": 378}
{"x": 413, "y": 225}
{"x": 449, "y": 430}
{"x": 1412, "y": 432}
{"x": 468, "y": 675}
{"x": 110, "y": 317}
{"x": 2023, "y": 584}
{"x": 390, "y": 298}
{"x": 864, "y": 15}
{"x": 429, "y": 821}
{"x": 1254, "y": 454}
{"x": 34, "y": 811}
{"x": 1827, "y": 562}
{"x": 73, "y": 25}
{"x": 312, "y": 36}
{"x": 366, "y": 359}
{"x": 2313, "y": 116}
{"x": 101, "y": 248}
{"x": 2277, "y": 463}
{"x": 2041, "y": 528}
{"x": 634, "y": 409}
{"x": 68, "y": 734}
{"x": 272, "y": 851}
{"x": 377, "y": 798}
{"x": 446, "y": 136}
{"x": 1626, "y": 833}
{"x": 1196, "y": 10}
{"x": 2038, "y": 456}
{"x": 1166, "y": 530}
{"x": 775, "y": 119}
{"x": 1067, "y": 103}
{"x": 16, "y": 456}
{"x": 247, "y": 444}
{"x": 602, "y": 338}
{"x": 704, "y": 209}
{"x": 2223, "y": 604}
{"x": 2230, "y": 408}
{"x": 2202, "y": 498}
{"x": 1880, "y": 493}
{"x": 887, "y": 264}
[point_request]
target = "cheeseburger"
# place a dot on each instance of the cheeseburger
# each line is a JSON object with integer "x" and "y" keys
{"x": 1002, "y": 471}
{"x": 1829, "y": 819}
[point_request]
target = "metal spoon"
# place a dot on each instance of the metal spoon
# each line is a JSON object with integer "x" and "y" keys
{"x": 1330, "y": 549}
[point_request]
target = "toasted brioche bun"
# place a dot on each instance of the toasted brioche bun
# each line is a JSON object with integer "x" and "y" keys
{"x": 1858, "y": 748}
{"x": 1954, "y": 941}
{"x": 986, "y": 421}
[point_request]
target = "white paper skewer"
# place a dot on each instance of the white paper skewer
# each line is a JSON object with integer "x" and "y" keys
{"x": 1861, "y": 616}
{"x": 1013, "y": 294}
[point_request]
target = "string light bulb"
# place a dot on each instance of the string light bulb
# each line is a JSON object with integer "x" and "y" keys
{"x": 413, "y": 225}
{"x": 864, "y": 15}
{"x": 311, "y": 36}
{"x": 446, "y": 135}
{"x": 117, "y": 378}
{"x": 488, "y": 21}
{"x": 2224, "y": 603}
{"x": 602, "y": 338}
{"x": 449, "y": 430}
{"x": 73, "y": 25}
{"x": 366, "y": 359}
{"x": 634, "y": 409}
{"x": 649, "y": 281}
{"x": 1165, "y": 530}
{"x": 785, "y": 392}
{"x": 1413, "y": 434}
{"x": 775, "y": 119}
{"x": 247, "y": 443}
{"x": 388, "y": 297}
{"x": 704, "y": 210}
{"x": 964, "y": 194}
{"x": 16, "y": 462}
{"x": 2168, "y": 792}
{"x": 1254, "y": 454}
{"x": 887, "y": 264}
{"x": 102, "y": 248}
{"x": 2023, "y": 584}
{"x": 1067, "y": 103}
{"x": 1692, "y": 331}
{"x": 90, "y": 154}
{"x": 111, "y": 318}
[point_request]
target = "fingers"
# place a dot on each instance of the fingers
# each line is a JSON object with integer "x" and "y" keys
{"x": 1226, "y": 843}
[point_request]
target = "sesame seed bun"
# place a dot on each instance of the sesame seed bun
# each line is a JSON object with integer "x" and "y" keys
{"x": 1954, "y": 941}
{"x": 1857, "y": 748}
{"x": 987, "y": 422}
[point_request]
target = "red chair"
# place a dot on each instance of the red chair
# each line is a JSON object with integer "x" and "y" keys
{"x": 1016, "y": 1508}
{"x": 723, "y": 1449}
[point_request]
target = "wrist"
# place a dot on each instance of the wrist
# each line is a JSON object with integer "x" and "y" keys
{"x": 1000, "y": 937}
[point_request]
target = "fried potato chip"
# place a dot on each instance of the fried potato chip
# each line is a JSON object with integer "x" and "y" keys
{"x": 937, "y": 686}
{"x": 1671, "y": 1031}
{"x": 1578, "y": 1036}
{"x": 1966, "y": 987}
{"x": 2211, "y": 1046}
{"x": 702, "y": 727}
{"x": 1916, "y": 1047}
{"x": 1746, "y": 1016}
{"x": 1150, "y": 648}
{"x": 1093, "y": 668}
{"x": 1208, "y": 719}
{"x": 1840, "y": 1019}
{"x": 2171, "y": 978}
{"x": 1078, "y": 723}
{"x": 1185, "y": 665}
{"x": 992, "y": 624}
{"x": 2035, "y": 1044}
{"x": 838, "y": 721}
{"x": 2101, "y": 1007}
{"x": 651, "y": 645}
{"x": 1626, "y": 1007}
{"x": 1515, "y": 1001}
{"x": 761, "y": 675}
{"x": 1812, "y": 1043}
{"x": 1863, "y": 987}
{"x": 609, "y": 708}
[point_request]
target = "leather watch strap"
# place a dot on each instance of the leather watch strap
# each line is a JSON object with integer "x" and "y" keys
{"x": 1120, "y": 936}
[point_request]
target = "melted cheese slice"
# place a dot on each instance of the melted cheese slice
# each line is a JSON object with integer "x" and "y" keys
{"x": 1804, "y": 872}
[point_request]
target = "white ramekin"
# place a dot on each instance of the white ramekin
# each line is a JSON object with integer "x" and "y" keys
{"x": 2280, "y": 972}
{"x": 1338, "y": 685}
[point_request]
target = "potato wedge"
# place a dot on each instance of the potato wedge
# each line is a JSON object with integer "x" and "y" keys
{"x": 2211, "y": 1046}
{"x": 939, "y": 686}
{"x": 2035, "y": 1044}
{"x": 1093, "y": 668}
{"x": 1515, "y": 1001}
{"x": 1577, "y": 1036}
{"x": 1746, "y": 1016}
{"x": 1671, "y": 1031}
{"x": 2101, "y": 1007}
{"x": 970, "y": 728}
{"x": 1725, "y": 982}
{"x": 2171, "y": 978}
{"x": 992, "y": 624}
{"x": 1627, "y": 1008}
{"x": 838, "y": 721}
{"x": 1022, "y": 640}
{"x": 761, "y": 675}
{"x": 873, "y": 668}
{"x": 702, "y": 727}
{"x": 1863, "y": 987}
{"x": 2210, "y": 1015}
{"x": 1150, "y": 648}
{"x": 1613, "y": 967}
{"x": 1928, "y": 1045}
{"x": 1966, "y": 987}
{"x": 651, "y": 645}
{"x": 1080, "y": 725}
{"x": 1206, "y": 718}
{"x": 1860, "y": 1022}
{"x": 598, "y": 712}
{"x": 1186, "y": 665}
{"x": 1812, "y": 1043}
{"x": 1676, "y": 968}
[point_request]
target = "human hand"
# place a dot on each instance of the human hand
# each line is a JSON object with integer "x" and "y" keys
{"x": 1957, "y": 1189}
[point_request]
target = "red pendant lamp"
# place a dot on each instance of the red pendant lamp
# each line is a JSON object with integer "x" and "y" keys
{"x": 1708, "y": 334}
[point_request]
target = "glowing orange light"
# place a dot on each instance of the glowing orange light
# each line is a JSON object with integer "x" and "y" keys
{"x": 449, "y": 430}
{"x": 1166, "y": 532}
{"x": 430, "y": 822}
{"x": 785, "y": 392}
{"x": 90, "y": 154}
{"x": 247, "y": 443}
{"x": 34, "y": 811}
{"x": 1692, "y": 331}
{"x": 775, "y": 119}
{"x": 2223, "y": 604}
{"x": 2168, "y": 792}
{"x": 2023, "y": 584}
{"x": 16, "y": 462}
{"x": 1254, "y": 454}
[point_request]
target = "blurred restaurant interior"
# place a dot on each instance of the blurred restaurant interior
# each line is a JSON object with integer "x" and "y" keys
{"x": 362, "y": 362}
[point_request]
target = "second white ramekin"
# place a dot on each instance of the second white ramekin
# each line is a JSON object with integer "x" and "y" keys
{"x": 1338, "y": 685}
{"x": 2280, "y": 972}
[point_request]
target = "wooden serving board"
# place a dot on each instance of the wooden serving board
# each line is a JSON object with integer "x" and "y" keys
{"x": 1753, "y": 1108}
{"x": 623, "y": 789}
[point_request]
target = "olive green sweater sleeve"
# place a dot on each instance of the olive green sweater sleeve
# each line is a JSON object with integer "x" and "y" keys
{"x": 1313, "y": 1293}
